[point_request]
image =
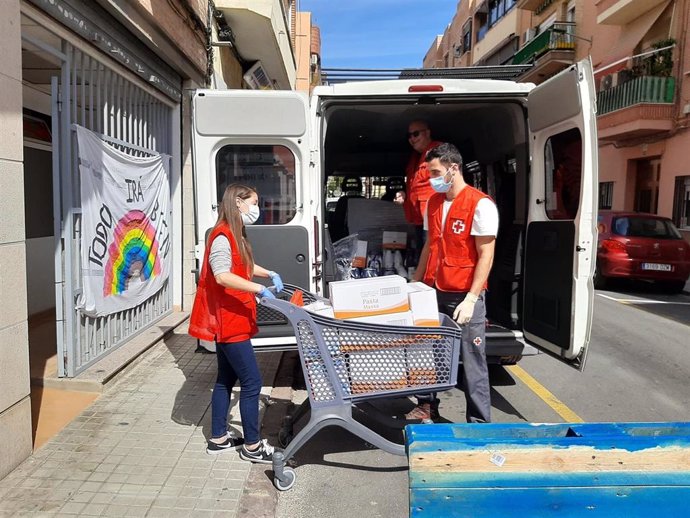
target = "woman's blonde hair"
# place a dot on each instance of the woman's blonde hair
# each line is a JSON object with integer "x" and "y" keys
{"x": 229, "y": 213}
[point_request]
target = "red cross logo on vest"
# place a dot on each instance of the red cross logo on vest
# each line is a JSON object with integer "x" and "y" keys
{"x": 458, "y": 226}
{"x": 477, "y": 341}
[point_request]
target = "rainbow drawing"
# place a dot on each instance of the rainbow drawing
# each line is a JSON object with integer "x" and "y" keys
{"x": 132, "y": 254}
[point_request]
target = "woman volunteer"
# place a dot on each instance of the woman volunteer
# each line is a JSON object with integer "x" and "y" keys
{"x": 225, "y": 311}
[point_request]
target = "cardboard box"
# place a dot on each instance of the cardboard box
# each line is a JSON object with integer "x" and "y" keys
{"x": 320, "y": 308}
{"x": 355, "y": 298}
{"x": 394, "y": 240}
{"x": 389, "y": 319}
{"x": 423, "y": 304}
{"x": 360, "y": 258}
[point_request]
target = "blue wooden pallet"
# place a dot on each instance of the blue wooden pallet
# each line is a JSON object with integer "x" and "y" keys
{"x": 539, "y": 470}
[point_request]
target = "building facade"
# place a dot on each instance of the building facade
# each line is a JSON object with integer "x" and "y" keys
{"x": 643, "y": 100}
{"x": 126, "y": 70}
{"x": 638, "y": 50}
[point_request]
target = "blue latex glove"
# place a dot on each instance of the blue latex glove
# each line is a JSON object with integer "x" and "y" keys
{"x": 277, "y": 281}
{"x": 265, "y": 293}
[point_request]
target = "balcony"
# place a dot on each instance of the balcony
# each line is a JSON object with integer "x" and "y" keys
{"x": 262, "y": 34}
{"x": 537, "y": 6}
{"x": 622, "y": 12}
{"x": 549, "y": 52}
{"x": 639, "y": 107}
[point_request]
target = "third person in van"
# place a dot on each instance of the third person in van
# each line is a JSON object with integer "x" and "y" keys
{"x": 417, "y": 178}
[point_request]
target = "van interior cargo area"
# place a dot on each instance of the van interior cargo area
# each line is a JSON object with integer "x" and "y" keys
{"x": 367, "y": 140}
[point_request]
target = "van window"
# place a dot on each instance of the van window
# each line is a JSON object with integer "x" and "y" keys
{"x": 268, "y": 169}
{"x": 365, "y": 186}
{"x": 563, "y": 169}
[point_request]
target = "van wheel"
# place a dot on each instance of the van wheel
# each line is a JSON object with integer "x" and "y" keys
{"x": 510, "y": 360}
{"x": 600, "y": 281}
{"x": 672, "y": 286}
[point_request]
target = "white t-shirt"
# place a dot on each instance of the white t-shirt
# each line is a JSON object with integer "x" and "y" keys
{"x": 484, "y": 223}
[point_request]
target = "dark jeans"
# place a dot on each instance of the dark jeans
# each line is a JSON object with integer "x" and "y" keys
{"x": 236, "y": 361}
{"x": 474, "y": 370}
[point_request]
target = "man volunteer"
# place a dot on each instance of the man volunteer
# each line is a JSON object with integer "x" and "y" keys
{"x": 462, "y": 223}
{"x": 417, "y": 178}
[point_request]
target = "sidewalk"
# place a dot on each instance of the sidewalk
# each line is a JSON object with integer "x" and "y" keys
{"x": 139, "y": 449}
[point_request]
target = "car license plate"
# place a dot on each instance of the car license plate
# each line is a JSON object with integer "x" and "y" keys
{"x": 657, "y": 267}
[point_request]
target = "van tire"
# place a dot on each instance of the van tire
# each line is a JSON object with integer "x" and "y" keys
{"x": 510, "y": 360}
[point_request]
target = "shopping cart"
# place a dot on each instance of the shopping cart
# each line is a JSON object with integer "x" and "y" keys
{"x": 347, "y": 363}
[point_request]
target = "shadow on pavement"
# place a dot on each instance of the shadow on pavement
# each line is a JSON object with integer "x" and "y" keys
{"x": 500, "y": 377}
{"x": 637, "y": 287}
{"x": 193, "y": 399}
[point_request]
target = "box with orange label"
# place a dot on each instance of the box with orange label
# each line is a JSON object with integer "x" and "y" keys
{"x": 394, "y": 240}
{"x": 389, "y": 319}
{"x": 368, "y": 297}
{"x": 423, "y": 304}
{"x": 320, "y": 308}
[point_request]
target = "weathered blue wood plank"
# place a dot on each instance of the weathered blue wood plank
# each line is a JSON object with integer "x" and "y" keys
{"x": 629, "y": 437}
{"x": 609, "y": 502}
{"x": 581, "y": 469}
{"x": 449, "y": 479}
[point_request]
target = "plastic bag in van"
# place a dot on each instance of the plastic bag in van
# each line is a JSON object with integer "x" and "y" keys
{"x": 343, "y": 254}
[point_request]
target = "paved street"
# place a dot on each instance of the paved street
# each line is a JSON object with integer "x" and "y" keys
{"x": 637, "y": 370}
{"x": 139, "y": 450}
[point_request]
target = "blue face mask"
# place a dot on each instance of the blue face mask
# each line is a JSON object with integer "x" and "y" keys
{"x": 439, "y": 184}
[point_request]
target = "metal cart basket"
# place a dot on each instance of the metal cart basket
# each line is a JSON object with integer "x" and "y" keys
{"x": 346, "y": 363}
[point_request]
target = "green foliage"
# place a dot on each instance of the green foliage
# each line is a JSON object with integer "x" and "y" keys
{"x": 659, "y": 64}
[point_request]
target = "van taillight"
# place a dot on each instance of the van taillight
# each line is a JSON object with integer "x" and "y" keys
{"x": 611, "y": 245}
{"x": 425, "y": 88}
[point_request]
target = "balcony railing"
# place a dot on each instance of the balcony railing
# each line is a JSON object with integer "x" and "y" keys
{"x": 645, "y": 89}
{"x": 557, "y": 37}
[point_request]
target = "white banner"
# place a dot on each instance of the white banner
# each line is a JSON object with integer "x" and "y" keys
{"x": 126, "y": 226}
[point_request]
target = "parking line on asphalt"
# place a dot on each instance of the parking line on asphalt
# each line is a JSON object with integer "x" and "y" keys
{"x": 545, "y": 395}
{"x": 644, "y": 301}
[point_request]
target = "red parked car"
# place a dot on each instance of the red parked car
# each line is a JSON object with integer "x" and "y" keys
{"x": 641, "y": 246}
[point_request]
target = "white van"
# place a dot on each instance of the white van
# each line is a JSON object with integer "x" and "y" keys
{"x": 533, "y": 149}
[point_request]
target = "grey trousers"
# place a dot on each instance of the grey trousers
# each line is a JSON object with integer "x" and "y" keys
{"x": 475, "y": 372}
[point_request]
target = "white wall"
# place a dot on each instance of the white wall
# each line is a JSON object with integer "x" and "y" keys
{"x": 15, "y": 405}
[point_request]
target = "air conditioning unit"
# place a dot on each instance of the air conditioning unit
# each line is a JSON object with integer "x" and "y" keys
{"x": 257, "y": 78}
{"x": 529, "y": 34}
{"x": 314, "y": 59}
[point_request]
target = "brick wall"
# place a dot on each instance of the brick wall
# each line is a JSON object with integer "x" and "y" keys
{"x": 183, "y": 22}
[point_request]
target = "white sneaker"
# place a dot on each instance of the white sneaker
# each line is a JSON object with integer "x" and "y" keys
{"x": 261, "y": 455}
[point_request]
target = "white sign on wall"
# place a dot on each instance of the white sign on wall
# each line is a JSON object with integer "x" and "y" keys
{"x": 126, "y": 226}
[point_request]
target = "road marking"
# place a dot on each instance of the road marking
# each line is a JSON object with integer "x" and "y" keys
{"x": 644, "y": 301}
{"x": 545, "y": 395}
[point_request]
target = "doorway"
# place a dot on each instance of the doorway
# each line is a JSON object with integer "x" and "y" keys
{"x": 647, "y": 185}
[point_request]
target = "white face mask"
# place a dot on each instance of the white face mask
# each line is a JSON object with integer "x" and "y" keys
{"x": 250, "y": 217}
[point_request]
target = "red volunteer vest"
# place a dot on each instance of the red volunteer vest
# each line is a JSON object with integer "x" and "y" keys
{"x": 452, "y": 250}
{"x": 223, "y": 314}
{"x": 418, "y": 188}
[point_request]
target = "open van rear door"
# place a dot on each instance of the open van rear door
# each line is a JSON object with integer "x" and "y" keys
{"x": 560, "y": 248}
{"x": 260, "y": 139}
